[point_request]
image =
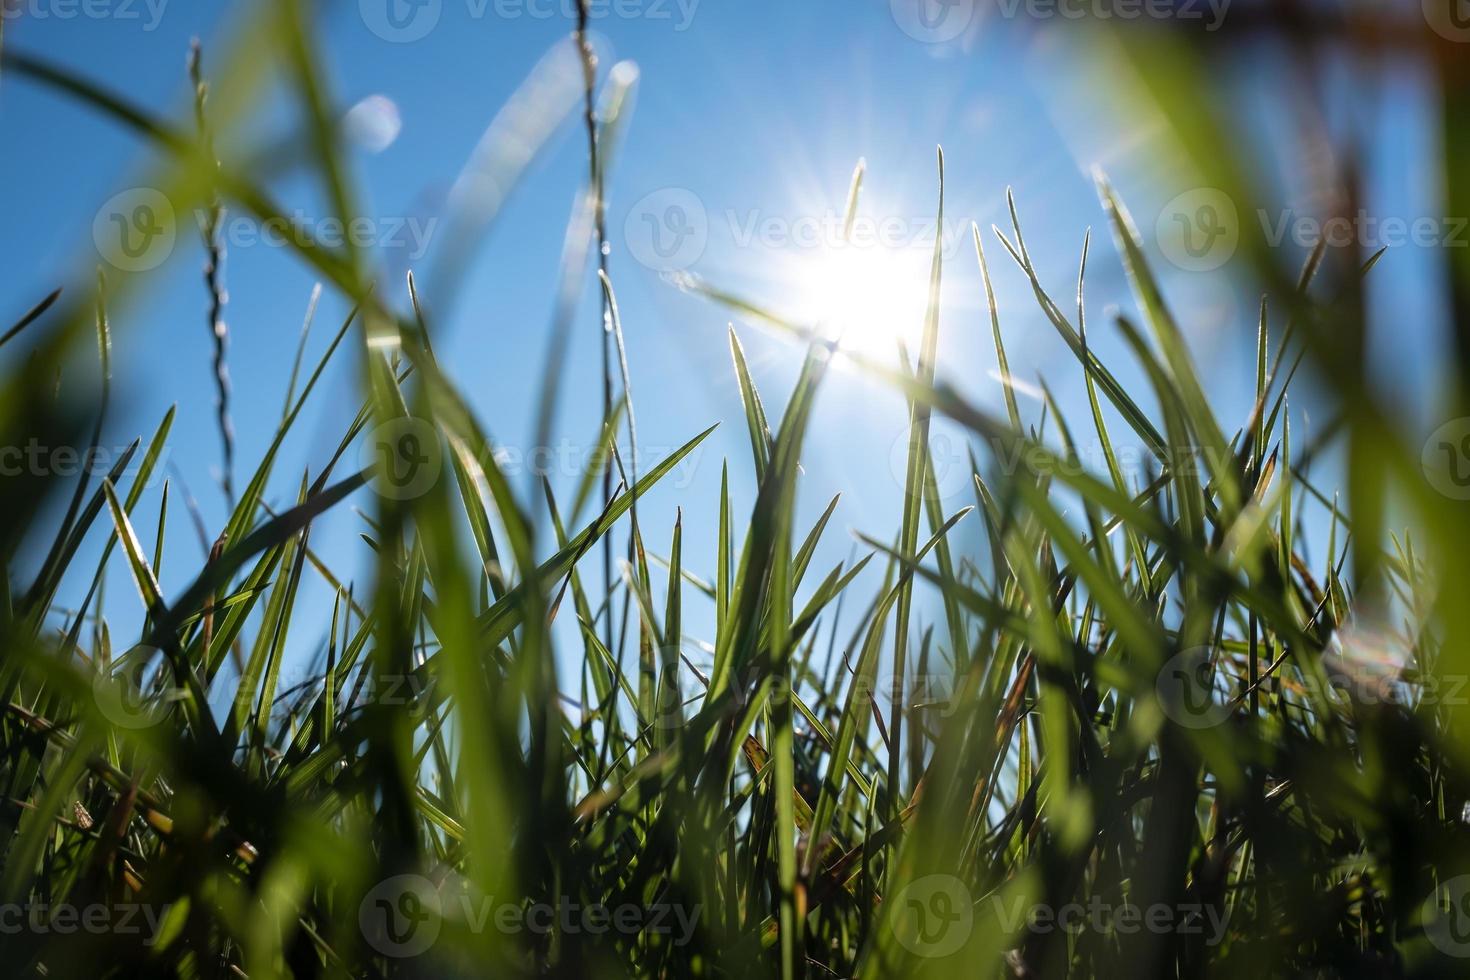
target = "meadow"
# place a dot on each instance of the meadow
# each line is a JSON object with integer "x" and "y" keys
{"x": 1201, "y": 716}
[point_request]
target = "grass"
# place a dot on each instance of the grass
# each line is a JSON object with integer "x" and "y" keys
{"x": 1140, "y": 740}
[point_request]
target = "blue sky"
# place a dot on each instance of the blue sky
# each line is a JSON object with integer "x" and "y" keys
{"x": 749, "y": 117}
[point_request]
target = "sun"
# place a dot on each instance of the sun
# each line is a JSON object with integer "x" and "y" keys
{"x": 868, "y": 299}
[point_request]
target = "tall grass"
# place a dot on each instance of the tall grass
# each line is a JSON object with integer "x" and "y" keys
{"x": 1140, "y": 739}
